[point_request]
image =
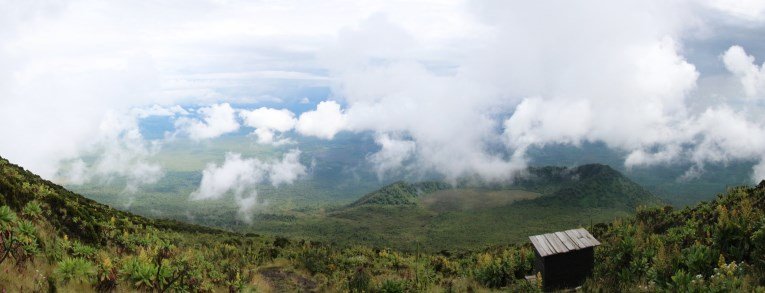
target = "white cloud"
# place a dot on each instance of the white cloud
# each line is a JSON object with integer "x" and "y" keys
{"x": 751, "y": 10}
{"x": 537, "y": 121}
{"x": 247, "y": 204}
{"x": 759, "y": 171}
{"x": 644, "y": 158}
{"x": 240, "y": 177}
{"x": 571, "y": 85}
{"x": 718, "y": 135}
{"x": 392, "y": 155}
{"x": 216, "y": 120}
{"x": 637, "y": 107}
{"x": 267, "y": 121}
{"x": 235, "y": 174}
{"x": 564, "y": 77}
{"x": 287, "y": 170}
{"x": 327, "y": 120}
{"x": 742, "y": 66}
{"x": 157, "y": 110}
{"x": 118, "y": 151}
{"x": 470, "y": 84}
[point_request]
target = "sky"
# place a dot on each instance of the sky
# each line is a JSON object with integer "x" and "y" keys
{"x": 460, "y": 88}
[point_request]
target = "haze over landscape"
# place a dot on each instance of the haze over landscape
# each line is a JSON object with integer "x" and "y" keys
{"x": 413, "y": 126}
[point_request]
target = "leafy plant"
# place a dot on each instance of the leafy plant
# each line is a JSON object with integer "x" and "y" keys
{"x": 76, "y": 269}
{"x": 360, "y": 281}
{"x": 32, "y": 209}
{"x": 7, "y": 217}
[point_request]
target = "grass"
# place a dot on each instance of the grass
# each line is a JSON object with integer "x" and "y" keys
{"x": 466, "y": 199}
{"x": 434, "y": 229}
{"x": 457, "y": 219}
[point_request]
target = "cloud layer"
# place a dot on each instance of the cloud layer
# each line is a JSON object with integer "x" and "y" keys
{"x": 462, "y": 88}
{"x": 239, "y": 177}
{"x": 562, "y": 76}
{"x": 268, "y": 122}
{"x": 751, "y": 75}
{"x": 216, "y": 120}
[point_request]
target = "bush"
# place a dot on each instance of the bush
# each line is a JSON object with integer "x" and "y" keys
{"x": 360, "y": 281}
{"x": 7, "y": 217}
{"x": 393, "y": 286}
{"x": 698, "y": 259}
{"x": 82, "y": 250}
{"x": 495, "y": 272}
{"x": 75, "y": 269}
{"x": 139, "y": 272}
{"x": 32, "y": 210}
{"x": 444, "y": 266}
{"x": 316, "y": 260}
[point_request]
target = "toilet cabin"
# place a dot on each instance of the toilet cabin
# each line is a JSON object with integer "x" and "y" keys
{"x": 564, "y": 259}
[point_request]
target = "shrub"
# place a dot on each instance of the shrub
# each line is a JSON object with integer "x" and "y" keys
{"x": 444, "y": 266}
{"x": 75, "y": 269}
{"x": 82, "y": 250}
{"x": 360, "y": 281}
{"x": 27, "y": 229}
{"x": 392, "y": 286}
{"x": 140, "y": 273}
{"x": 316, "y": 260}
{"x": 7, "y": 217}
{"x": 32, "y": 210}
{"x": 495, "y": 272}
{"x": 698, "y": 259}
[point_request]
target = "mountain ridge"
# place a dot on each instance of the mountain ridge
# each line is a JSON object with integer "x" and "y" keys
{"x": 589, "y": 185}
{"x": 73, "y": 214}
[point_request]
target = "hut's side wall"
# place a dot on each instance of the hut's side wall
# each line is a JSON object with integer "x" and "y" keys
{"x": 567, "y": 270}
{"x": 539, "y": 263}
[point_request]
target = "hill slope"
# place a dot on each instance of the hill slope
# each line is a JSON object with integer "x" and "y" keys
{"x": 70, "y": 213}
{"x": 592, "y": 185}
{"x": 435, "y": 216}
{"x": 713, "y": 247}
{"x": 399, "y": 193}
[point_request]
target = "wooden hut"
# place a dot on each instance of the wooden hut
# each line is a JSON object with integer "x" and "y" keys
{"x": 564, "y": 259}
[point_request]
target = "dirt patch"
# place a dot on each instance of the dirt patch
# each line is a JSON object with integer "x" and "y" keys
{"x": 287, "y": 281}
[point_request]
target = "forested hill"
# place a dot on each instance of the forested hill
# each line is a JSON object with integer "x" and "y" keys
{"x": 589, "y": 186}
{"x": 71, "y": 213}
{"x": 400, "y": 193}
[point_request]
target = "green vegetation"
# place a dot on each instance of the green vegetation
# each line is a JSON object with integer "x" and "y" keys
{"x": 53, "y": 239}
{"x": 665, "y": 181}
{"x": 436, "y": 217}
{"x": 589, "y": 186}
{"x": 400, "y": 193}
{"x": 473, "y": 199}
{"x": 716, "y": 246}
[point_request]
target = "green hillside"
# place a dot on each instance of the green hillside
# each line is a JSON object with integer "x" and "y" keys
{"x": 435, "y": 216}
{"x": 400, "y": 193}
{"x": 593, "y": 185}
{"x": 55, "y": 240}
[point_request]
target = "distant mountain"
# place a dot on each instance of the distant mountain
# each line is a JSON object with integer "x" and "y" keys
{"x": 592, "y": 185}
{"x": 400, "y": 193}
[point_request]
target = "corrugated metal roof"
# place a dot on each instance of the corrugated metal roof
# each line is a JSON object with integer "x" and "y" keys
{"x": 562, "y": 242}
